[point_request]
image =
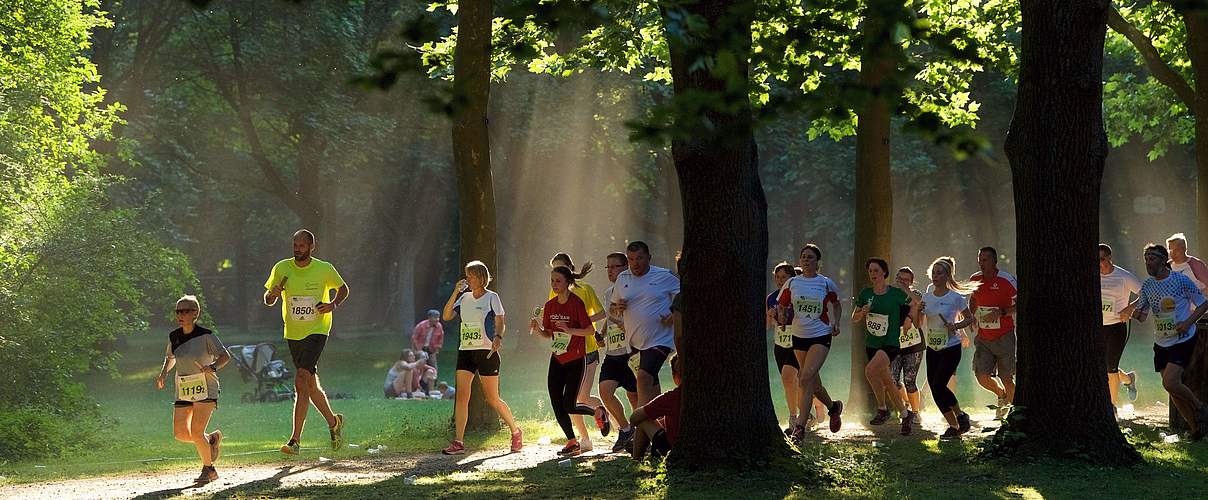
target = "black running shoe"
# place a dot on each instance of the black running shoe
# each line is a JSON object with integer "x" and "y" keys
{"x": 882, "y": 417}
{"x": 906, "y": 420}
{"x": 835, "y": 412}
{"x": 623, "y": 439}
{"x": 962, "y": 421}
{"x": 951, "y": 435}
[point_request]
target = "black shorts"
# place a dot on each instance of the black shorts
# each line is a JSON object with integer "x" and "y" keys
{"x": 306, "y": 352}
{"x": 651, "y": 360}
{"x": 1115, "y": 337}
{"x": 591, "y": 357}
{"x": 186, "y": 404}
{"x": 890, "y": 350}
{"x": 1179, "y": 354}
{"x": 785, "y": 357}
{"x": 804, "y": 344}
{"x": 476, "y": 361}
{"x": 616, "y": 368}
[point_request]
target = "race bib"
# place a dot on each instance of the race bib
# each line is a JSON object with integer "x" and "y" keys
{"x": 910, "y": 338}
{"x": 561, "y": 343}
{"x": 784, "y": 338}
{"x": 614, "y": 337}
{"x": 937, "y": 338}
{"x": 471, "y": 335}
{"x": 1109, "y": 305}
{"x": 809, "y": 308}
{"x": 1163, "y": 324}
{"x": 877, "y": 324}
{"x": 983, "y": 323}
{"x": 192, "y": 387}
{"x": 635, "y": 362}
{"x": 303, "y": 307}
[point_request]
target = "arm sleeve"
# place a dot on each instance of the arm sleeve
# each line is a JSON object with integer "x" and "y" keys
{"x": 673, "y": 284}
{"x": 497, "y": 305}
{"x": 832, "y": 292}
{"x": 272, "y": 278}
{"x": 214, "y": 346}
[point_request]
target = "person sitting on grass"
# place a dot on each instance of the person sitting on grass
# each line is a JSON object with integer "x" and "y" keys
{"x": 446, "y": 392}
{"x": 658, "y": 420}
{"x": 400, "y": 378}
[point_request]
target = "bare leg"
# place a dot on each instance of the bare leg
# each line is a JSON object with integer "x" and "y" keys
{"x": 197, "y": 430}
{"x": 319, "y": 398}
{"x": 608, "y": 389}
{"x": 809, "y": 363}
{"x": 1183, "y": 398}
{"x": 461, "y": 406}
{"x": 788, "y": 379}
{"x": 490, "y": 386}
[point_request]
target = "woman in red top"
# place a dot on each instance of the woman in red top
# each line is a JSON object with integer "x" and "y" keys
{"x": 566, "y": 323}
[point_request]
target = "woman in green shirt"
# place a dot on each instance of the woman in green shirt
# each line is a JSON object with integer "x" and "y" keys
{"x": 883, "y": 311}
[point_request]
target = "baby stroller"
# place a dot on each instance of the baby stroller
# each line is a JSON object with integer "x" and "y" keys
{"x": 273, "y": 380}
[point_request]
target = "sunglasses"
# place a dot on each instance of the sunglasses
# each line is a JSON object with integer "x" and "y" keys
{"x": 184, "y": 311}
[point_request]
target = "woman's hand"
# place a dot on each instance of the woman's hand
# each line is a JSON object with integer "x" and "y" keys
{"x": 159, "y": 381}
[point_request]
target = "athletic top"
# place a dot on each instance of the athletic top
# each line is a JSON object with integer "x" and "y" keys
{"x": 574, "y": 313}
{"x": 883, "y": 324}
{"x": 912, "y": 340}
{"x": 1188, "y": 269}
{"x": 1170, "y": 301}
{"x": 947, "y": 306}
{"x": 592, "y": 301}
{"x": 807, "y": 298}
{"x": 666, "y": 409}
{"x": 478, "y": 319}
{"x": 614, "y": 334}
{"x": 1116, "y": 288}
{"x": 998, "y": 291}
{"x": 193, "y": 351}
{"x": 649, "y": 299}
{"x": 305, "y": 289}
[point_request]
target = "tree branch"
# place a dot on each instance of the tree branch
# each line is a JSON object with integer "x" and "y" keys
{"x": 1153, "y": 61}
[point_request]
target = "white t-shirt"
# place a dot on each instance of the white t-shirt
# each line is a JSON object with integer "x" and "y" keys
{"x": 948, "y": 306}
{"x": 477, "y": 319}
{"x": 1116, "y": 288}
{"x": 1169, "y": 302}
{"x": 1185, "y": 270}
{"x": 649, "y": 299}
{"x": 809, "y": 298}
{"x": 608, "y": 325}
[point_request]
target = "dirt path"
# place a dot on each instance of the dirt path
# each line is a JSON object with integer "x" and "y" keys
{"x": 373, "y": 468}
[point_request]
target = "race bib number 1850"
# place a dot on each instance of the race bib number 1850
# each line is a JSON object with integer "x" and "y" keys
{"x": 303, "y": 308}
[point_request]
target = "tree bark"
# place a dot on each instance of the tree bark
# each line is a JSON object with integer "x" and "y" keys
{"x": 1196, "y": 22}
{"x": 728, "y": 420}
{"x": 873, "y": 193}
{"x": 1057, "y": 146}
{"x": 472, "y": 157}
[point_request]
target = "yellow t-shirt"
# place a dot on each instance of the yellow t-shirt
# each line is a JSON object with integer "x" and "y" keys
{"x": 304, "y": 290}
{"x": 588, "y": 295}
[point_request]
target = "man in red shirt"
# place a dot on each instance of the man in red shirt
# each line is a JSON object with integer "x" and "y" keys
{"x": 429, "y": 336}
{"x": 658, "y": 420}
{"x": 994, "y": 347}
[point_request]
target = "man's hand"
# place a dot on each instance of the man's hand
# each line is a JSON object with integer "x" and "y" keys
{"x": 1140, "y": 314}
{"x": 1183, "y": 326}
{"x": 326, "y": 307}
{"x": 994, "y": 314}
{"x": 618, "y": 307}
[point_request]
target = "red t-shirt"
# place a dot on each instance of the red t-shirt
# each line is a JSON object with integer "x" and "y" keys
{"x": 666, "y": 409}
{"x": 998, "y": 291}
{"x": 574, "y": 313}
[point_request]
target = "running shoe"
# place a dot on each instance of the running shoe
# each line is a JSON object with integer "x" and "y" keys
{"x": 962, "y": 420}
{"x": 810, "y": 421}
{"x": 625, "y": 436}
{"x": 882, "y": 416}
{"x": 906, "y": 423}
{"x": 207, "y": 474}
{"x": 291, "y": 448}
{"x": 337, "y": 433}
{"x": 798, "y": 434}
{"x": 602, "y": 421}
{"x": 1003, "y": 407}
{"x": 455, "y": 448}
{"x": 517, "y": 440}
{"x": 951, "y": 435}
{"x": 1131, "y": 386}
{"x": 835, "y": 412}
{"x": 215, "y": 445}
{"x": 571, "y": 449}
{"x": 788, "y": 431}
{"x": 585, "y": 444}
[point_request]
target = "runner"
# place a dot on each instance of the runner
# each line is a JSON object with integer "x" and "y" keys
{"x": 197, "y": 355}
{"x": 566, "y": 323}
{"x": 1176, "y": 304}
{"x": 905, "y": 367}
{"x": 813, "y": 300}
{"x": 482, "y": 327}
{"x": 1187, "y": 265}
{"x": 642, "y": 298}
{"x": 596, "y": 312}
{"x": 883, "y": 310}
{"x": 782, "y": 345}
{"x": 303, "y": 284}
{"x": 615, "y": 371}
{"x": 944, "y": 301}
{"x": 1117, "y": 287}
{"x": 994, "y": 348}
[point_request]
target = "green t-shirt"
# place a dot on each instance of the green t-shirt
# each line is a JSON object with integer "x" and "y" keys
{"x": 304, "y": 290}
{"x": 883, "y": 324}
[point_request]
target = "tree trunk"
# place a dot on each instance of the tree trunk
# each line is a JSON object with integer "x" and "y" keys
{"x": 873, "y": 193}
{"x": 472, "y": 157}
{"x": 725, "y": 371}
{"x": 243, "y": 270}
{"x": 1057, "y": 147}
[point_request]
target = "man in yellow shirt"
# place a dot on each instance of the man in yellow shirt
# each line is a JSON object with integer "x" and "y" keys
{"x": 304, "y": 285}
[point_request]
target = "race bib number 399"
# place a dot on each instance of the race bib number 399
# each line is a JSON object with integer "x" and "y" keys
{"x": 937, "y": 338}
{"x": 192, "y": 387}
{"x": 303, "y": 308}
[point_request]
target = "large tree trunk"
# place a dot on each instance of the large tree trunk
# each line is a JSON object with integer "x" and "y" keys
{"x": 874, "y": 196}
{"x": 725, "y": 371}
{"x": 1057, "y": 146}
{"x": 472, "y": 157}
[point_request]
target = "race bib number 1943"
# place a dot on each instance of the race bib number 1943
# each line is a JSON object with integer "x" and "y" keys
{"x": 471, "y": 335}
